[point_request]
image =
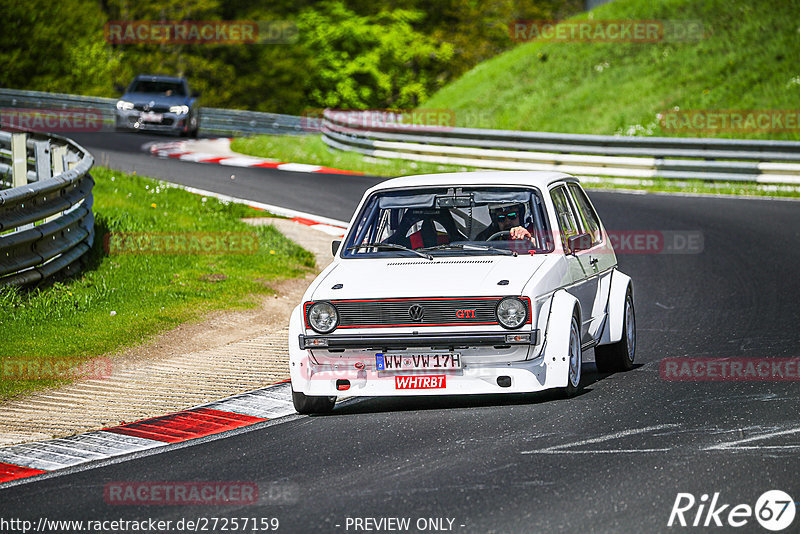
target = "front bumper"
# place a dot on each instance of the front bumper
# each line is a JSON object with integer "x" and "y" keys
{"x": 491, "y": 364}
{"x": 513, "y": 377}
{"x": 170, "y": 122}
{"x": 431, "y": 340}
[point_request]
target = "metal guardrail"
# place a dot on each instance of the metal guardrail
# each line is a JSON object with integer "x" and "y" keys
{"x": 605, "y": 155}
{"x": 46, "y": 220}
{"x": 212, "y": 120}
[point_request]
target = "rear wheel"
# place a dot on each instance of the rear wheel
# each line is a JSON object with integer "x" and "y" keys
{"x": 307, "y": 404}
{"x": 619, "y": 356}
{"x": 575, "y": 360}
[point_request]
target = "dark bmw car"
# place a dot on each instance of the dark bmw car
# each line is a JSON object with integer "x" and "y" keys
{"x": 159, "y": 103}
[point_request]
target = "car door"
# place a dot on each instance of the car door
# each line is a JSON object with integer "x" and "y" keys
{"x": 582, "y": 287}
{"x": 596, "y": 262}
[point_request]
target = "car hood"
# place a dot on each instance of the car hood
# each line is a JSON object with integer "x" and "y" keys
{"x": 418, "y": 277}
{"x": 158, "y": 99}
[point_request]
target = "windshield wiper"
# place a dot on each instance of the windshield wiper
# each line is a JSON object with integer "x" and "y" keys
{"x": 467, "y": 246}
{"x": 391, "y": 246}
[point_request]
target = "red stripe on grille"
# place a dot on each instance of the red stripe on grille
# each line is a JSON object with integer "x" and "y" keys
{"x": 415, "y": 324}
{"x": 418, "y": 299}
{"x": 183, "y": 426}
{"x": 10, "y": 472}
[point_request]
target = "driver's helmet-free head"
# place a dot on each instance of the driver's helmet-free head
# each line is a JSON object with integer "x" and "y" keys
{"x": 514, "y": 211}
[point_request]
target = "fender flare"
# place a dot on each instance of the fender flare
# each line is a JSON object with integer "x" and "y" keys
{"x": 612, "y": 330}
{"x": 298, "y": 358}
{"x": 556, "y": 349}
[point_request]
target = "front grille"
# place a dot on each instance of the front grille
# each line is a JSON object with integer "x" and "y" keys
{"x": 436, "y": 262}
{"x": 154, "y": 109}
{"x": 396, "y": 312}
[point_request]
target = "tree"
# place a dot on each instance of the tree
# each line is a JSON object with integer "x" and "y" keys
{"x": 372, "y": 61}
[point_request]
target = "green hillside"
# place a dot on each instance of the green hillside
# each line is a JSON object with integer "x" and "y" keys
{"x": 746, "y": 60}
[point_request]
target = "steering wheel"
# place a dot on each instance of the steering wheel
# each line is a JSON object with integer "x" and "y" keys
{"x": 497, "y": 235}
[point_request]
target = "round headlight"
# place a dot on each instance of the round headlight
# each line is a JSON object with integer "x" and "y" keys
{"x": 322, "y": 317}
{"x": 512, "y": 313}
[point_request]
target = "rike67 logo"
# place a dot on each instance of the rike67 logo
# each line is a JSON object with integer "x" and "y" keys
{"x": 774, "y": 510}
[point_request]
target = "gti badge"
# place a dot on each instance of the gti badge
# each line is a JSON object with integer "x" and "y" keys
{"x": 465, "y": 314}
{"x": 416, "y": 312}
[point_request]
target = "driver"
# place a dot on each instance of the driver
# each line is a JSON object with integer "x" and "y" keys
{"x": 506, "y": 218}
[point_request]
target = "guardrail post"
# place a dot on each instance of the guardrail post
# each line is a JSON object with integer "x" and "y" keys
{"x": 59, "y": 159}
{"x": 42, "y": 153}
{"x": 19, "y": 160}
{"x": 71, "y": 161}
{"x": 59, "y": 155}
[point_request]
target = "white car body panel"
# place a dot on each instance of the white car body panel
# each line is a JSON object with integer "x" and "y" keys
{"x": 556, "y": 283}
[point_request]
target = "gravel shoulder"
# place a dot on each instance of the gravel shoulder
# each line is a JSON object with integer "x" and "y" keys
{"x": 221, "y": 355}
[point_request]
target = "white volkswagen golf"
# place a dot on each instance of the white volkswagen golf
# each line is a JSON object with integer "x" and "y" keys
{"x": 463, "y": 283}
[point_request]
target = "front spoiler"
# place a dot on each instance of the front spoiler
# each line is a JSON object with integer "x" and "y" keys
{"x": 403, "y": 341}
{"x": 520, "y": 377}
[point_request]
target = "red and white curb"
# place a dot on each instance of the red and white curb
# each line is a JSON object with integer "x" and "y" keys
{"x": 243, "y": 410}
{"x": 30, "y": 459}
{"x": 197, "y": 151}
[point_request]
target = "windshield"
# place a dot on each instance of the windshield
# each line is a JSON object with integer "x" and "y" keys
{"x": 451, "y": 221}
{"x": 164, "y": 88}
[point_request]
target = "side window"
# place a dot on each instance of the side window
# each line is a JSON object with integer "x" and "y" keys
{"x": 566, "y": 218}
{"x": 586, "y": 213}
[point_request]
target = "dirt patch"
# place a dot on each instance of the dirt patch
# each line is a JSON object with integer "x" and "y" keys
{"x": 200, "y": 361}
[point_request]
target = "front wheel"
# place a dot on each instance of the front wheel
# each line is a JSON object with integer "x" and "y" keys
{"x": 575, "y": 360}
{"x": 194, "y": 127}
{"x": 307, "y": 404}
{"x": 619, "y": 356}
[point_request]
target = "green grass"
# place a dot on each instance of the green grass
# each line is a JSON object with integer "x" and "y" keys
{"x": 122, "y": 300}
{"x": 311, "y": 150}
{"x": 700, "y": 187}
{"x": 747, "y": 61}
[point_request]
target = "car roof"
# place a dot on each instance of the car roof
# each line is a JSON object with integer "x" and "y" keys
{"x": 540, "y": 179}
{"x": 157, "y": 78}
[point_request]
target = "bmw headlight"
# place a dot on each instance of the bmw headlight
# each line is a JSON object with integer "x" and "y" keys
{"x": 323, "y": 317}
{"x": 122, "y": 104}
{"x": 512, "y": 312}
{"x": 180, "y": 110}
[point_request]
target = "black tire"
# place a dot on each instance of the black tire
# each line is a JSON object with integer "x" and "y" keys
{"x": 574, "y": 373}
{"x": 306, "y": 404}
{"x": 619, "y": 356}
{"x": 193, "y": 131}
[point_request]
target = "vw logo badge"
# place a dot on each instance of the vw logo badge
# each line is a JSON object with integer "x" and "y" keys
{"x": 416, "y": 312}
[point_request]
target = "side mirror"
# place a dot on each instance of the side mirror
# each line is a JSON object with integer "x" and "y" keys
{"x": 119, "y": 88}
{"x": 195, "y": 94}
{"x": 579, "y": 242}
{"x": 335, "y": 246}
